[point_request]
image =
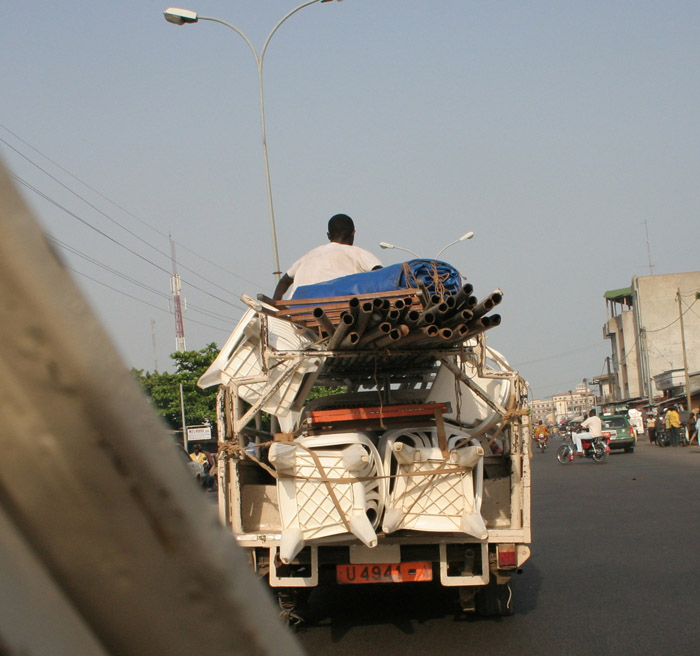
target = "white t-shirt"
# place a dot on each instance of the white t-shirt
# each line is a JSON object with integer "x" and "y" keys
{"x": 330, "y": 261}
{"x": 593, "y": 425}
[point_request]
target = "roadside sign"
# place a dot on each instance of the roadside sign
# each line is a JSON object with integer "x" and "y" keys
{"x": 196, "y": 433}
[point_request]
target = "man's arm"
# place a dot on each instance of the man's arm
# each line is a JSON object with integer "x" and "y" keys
{"x": 282, "y": 286}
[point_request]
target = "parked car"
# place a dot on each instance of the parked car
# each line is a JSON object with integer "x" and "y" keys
{"x": 622, "y": 434}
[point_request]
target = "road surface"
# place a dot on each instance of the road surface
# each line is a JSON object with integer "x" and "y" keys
{"x": 614, "y": 570}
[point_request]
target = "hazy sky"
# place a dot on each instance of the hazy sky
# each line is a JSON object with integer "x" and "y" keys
{"x": 553, "y": 130}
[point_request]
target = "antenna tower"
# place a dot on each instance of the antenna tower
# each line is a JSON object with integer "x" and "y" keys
{"x": 651, "y": 266}
{"x": 175, "y": 287}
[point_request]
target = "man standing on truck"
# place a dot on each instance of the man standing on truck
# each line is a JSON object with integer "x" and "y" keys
{"x": 593, "y": 427}
{"x": 333, "y": 260}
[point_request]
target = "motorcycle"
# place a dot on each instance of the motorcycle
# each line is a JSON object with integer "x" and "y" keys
{"x": 596, "y": 448}
{"x": 541, "y": 442}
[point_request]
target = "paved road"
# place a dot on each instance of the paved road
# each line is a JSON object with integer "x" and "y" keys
{"x": 615, "y": 570}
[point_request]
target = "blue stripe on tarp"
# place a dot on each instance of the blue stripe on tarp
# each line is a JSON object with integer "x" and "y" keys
{"x": 387, "y": 279}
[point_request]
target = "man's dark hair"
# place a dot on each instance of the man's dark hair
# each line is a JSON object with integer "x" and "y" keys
{"x": 592, "y": 412}
{"x": 340, "y": 227}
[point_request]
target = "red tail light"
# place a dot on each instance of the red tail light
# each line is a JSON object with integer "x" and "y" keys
{"x": 507, "y": 556}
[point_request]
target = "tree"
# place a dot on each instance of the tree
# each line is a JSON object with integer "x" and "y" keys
{"x": 164, "y": 388}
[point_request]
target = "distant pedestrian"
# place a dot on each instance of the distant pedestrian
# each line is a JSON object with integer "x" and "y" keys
{"x": 198, "y": 455}
{"x": 692, "y": 431}
{"x": 673, "y": 425}
{"x": 651, "y": 428}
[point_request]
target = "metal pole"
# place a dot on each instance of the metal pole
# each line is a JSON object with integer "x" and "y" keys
{"x": 259, "y": 59}
{"x": 685, "y": 357}
{"x": 182, "y": 414}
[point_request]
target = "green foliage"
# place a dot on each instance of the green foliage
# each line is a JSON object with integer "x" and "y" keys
{"x": 164, "y": 388}
{"x": 318, "y": 392}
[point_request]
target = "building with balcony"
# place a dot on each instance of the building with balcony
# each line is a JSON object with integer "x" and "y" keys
{"x": 654, "y": 332}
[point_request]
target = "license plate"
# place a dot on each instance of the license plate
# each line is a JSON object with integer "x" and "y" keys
{"x": 387, "y": 573}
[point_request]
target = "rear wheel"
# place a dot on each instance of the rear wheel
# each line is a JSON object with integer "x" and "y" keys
{"x": 563, "y": 453}
{"x": 600, "y": 454}
{"x": 494, "y": 600}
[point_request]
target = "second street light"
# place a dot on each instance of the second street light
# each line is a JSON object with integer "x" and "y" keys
{"x": 464, "y": 237}
{"x": 185, "y": 16}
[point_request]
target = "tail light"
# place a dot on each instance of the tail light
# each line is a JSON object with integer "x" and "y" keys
{"x": 507, "y": 556}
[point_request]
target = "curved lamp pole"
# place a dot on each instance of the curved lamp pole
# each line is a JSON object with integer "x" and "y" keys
{"x": 185, "y": 16}
{"x": 465, "y": 236}
{"x": 386, "y": 244}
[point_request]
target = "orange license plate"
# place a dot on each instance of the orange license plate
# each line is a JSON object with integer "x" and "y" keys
{"x": 388, "y": 573}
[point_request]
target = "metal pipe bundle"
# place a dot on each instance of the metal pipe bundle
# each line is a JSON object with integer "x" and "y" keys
{"x": 431, "y": 321}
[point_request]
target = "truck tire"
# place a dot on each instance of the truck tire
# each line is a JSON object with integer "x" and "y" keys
{"x": 494, "y": 600}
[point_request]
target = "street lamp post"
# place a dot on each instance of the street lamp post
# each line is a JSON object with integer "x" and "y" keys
{"x": 185, "y": 16}
{"x": 387, "y": 245}
{"x": 464, "y": 237}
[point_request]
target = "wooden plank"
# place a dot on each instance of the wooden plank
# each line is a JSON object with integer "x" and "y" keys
{"x": 378, "y": 412}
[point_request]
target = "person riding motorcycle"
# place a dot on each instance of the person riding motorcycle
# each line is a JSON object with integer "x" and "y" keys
{"x": 592, "y": 428}
{"x": 541, "y": 431}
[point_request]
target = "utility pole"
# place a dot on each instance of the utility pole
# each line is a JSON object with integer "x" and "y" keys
{"x": 175, "y": 287}
{"x": 685, "y": 357}
{"x": 153, "y": 341}
{"x": 184, "y": 420}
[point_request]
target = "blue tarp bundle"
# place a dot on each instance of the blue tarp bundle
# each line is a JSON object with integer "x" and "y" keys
{"x": 439, "y": 277}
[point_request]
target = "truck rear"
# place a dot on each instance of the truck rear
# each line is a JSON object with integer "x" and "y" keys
{"x": 410, "y": 465}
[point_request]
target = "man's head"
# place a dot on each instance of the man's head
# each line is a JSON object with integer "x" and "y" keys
{"x": 341, "y": 229}
{"x": 592, "y": 412}
{"x": 197, "y": 448}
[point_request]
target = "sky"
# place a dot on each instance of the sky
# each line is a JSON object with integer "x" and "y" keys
{"x": 565, "y": 135}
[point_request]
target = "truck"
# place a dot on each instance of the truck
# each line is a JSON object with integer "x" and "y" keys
{"x": 398, "y": 448}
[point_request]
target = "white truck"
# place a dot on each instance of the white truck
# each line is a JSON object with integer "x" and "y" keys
{"x": 416, "y": 468}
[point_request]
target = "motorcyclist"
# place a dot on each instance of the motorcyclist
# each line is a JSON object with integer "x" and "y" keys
{"x": 541, "y": 431}
{"x": 592, "y": 428}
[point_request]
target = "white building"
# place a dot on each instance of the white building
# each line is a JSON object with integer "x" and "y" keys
{"x": 542, "y": 410}
{"x": 573, "y": 404}
{"x": 646, "y": 339}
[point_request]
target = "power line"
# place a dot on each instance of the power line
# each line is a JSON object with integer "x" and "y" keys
{"x": 115, "y": 241}
{"x": 109, "y": 200}
{"x": 109, "y": 218}
{"x": 656, "y": 330}
{"x": 138, "y": 283}
{"x": 123, "y": 293}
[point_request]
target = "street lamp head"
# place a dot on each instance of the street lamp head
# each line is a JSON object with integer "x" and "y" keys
{"x": 386, "y": 244}
{"x": 180, "y": 16}
{"x": 466, "y": 235}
